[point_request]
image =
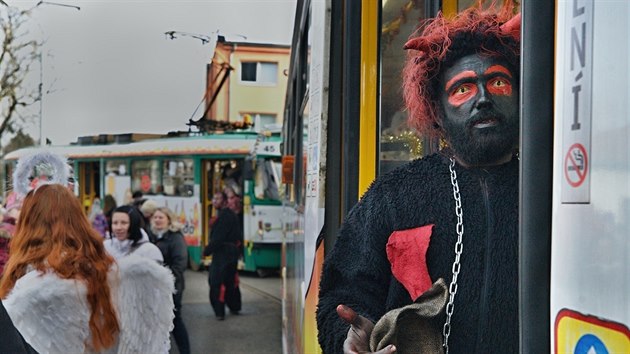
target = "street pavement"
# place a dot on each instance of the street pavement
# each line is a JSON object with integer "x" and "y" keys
{"x": 257, "y": 329}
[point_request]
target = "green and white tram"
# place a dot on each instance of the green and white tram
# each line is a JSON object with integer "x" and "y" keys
{"x": 183, "y": 173}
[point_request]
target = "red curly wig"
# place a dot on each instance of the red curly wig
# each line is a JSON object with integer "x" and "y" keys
{"x": 54, "y": 234}
{"x": 493, "y": 31}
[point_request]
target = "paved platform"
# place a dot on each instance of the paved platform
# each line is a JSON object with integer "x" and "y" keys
{"x": 258, "y": 329}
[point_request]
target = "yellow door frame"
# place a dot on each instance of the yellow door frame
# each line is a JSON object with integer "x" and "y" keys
{"x": 368, "y": 117}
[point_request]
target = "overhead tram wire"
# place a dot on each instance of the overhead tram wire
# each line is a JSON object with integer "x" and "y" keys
{"x": 205, "y": 39}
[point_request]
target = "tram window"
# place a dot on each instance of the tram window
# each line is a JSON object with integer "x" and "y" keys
{"x": 267, "y": 180}
{"x": 177, "y": 177}
{"x": 276, "y": 169}
{"x": 145, "y": 176}
{"x": 398, "y": 143}
{"x": 117, "y": 167}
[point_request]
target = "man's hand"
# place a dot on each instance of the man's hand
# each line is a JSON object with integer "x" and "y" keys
{"x": 358, "y": 339}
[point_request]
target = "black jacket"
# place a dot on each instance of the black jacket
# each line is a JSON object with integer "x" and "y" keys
{"x": 357, "y": 272}
{"x": 175, "y": 253}
{"x": 225, "y": 237}
{"x": 10, "y": 339}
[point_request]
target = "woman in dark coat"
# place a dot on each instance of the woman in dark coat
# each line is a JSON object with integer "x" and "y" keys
{"x": 170, "y": 241}
{"x": 109, "y": 204}
{"x": 12, "y": 341}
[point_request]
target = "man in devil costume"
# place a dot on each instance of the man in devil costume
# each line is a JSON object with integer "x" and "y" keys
{"x": 442, "y": 230}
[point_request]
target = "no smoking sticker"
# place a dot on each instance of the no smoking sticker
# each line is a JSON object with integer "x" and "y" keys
{"x": 576, "y": 165}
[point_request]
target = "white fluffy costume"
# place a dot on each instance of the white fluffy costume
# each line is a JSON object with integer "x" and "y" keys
{"x": 52, "y": 314}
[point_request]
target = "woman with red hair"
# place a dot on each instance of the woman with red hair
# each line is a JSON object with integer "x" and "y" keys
{"x": 66, "y": 294}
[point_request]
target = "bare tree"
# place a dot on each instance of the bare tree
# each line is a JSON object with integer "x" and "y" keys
{"x": 18, "y": 141}
{"x": 17, "y": 57}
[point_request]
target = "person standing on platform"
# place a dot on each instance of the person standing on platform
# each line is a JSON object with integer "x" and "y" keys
{"x": 235, "y": 204}
{"x": 98, "y": 219}
{"x": 128, "y": 237}
{"x": 448, "y": 218}
{"x": 170, "y": 240}
{"x": 109, "y": 204}
{"x": 147, "y": 209}
{"x": 223, "y": 246}
{"x": 7, "y": 228}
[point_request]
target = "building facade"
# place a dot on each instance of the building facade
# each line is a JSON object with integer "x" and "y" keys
{"x": 247, "y": 81}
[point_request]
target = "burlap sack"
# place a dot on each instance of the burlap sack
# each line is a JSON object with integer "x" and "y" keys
{"x": 412, "y": 328}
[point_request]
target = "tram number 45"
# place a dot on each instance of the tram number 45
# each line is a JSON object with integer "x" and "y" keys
{"x": 269, "y": 148}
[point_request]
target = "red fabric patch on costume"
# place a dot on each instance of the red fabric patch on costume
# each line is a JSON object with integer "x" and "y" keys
{"x": 222, "y": 293}
{"x": 407, "y": 254}
{"x": 237, "y": 280}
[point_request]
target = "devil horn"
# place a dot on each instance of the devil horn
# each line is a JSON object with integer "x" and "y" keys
{"x": 417, "y": 43}
{"x": 513, "y": 27}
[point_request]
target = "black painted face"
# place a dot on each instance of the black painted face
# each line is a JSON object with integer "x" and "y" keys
{"x": 480, "y": 103}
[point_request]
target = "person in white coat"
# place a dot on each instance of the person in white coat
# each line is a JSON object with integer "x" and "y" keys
{"x": 128, "y": 236}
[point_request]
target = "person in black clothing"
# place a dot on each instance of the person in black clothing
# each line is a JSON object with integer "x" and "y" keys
{"x": 234, "y": 203}
{"x": 170, "y": 241}
{"x": 450, "y": 214}
{"x": 223, "y": 246}
{"x": 109, "y": 204}
{"x": 11, "y": 340}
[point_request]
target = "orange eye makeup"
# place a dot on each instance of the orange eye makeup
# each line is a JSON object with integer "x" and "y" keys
{"x": 463, "y": 86}
{"x": 462, "y": 93}
{"x": 498, "y": 69}
{"x": 467, "y": 74}
{"x": 499, "y": 86}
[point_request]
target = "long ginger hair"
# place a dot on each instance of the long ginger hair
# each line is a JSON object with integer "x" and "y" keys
{"x": 54, "y": 234}
{"x": 490, "y": 31}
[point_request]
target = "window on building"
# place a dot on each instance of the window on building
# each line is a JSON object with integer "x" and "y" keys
{"x": 262, "y": 121}
{"x": 178, "y": 178}
{"x": 248, "y": 71}
{"x": 261, "y": 73}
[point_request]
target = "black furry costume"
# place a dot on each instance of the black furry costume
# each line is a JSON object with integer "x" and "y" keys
{"x": 485, "y": 318}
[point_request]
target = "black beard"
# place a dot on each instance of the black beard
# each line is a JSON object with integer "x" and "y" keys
{"x": 483, "y": 146}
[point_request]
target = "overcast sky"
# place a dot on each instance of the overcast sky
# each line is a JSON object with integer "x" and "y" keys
{"x": 112, "y": 69}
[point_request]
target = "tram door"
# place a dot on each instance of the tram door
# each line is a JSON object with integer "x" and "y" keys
{"x": 590, "y": 244}
{"x": 89, "y": 183}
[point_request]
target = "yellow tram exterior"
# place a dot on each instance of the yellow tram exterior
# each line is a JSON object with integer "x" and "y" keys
{"x": 344, "y": 126}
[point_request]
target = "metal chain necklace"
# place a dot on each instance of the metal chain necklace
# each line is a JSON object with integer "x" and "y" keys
{"x": 452, "y": 289}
